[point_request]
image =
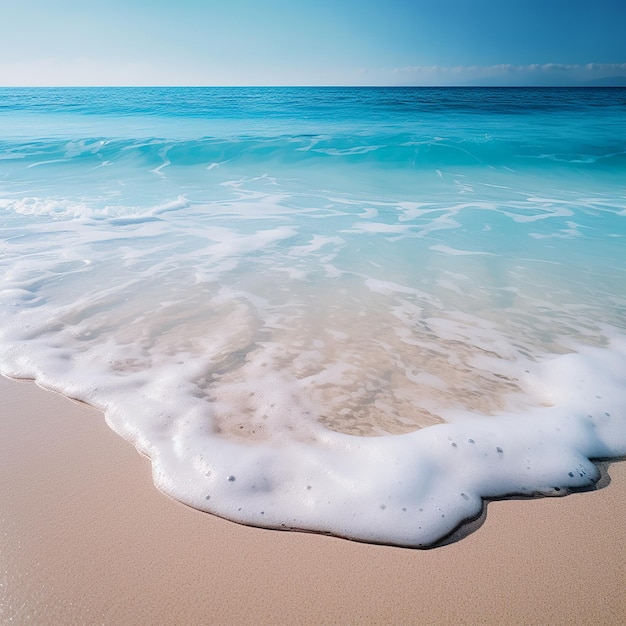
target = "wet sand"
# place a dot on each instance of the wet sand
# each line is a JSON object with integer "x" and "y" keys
{"x": 87, "y": 539}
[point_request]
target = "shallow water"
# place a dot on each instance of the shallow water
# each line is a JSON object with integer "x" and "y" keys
{"x": 272, "y": 292}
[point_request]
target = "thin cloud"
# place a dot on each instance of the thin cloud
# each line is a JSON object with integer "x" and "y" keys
{"x": 87, "y": 71}
{"x": 507, "y": 73}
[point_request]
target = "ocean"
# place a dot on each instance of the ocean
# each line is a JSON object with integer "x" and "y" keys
{"x": 357, "y": 311}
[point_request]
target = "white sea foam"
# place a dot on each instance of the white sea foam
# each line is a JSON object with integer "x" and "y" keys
{"x": 378, "y": 227}
{"x": 245, "y": 395}
{"x": 453, "y": 252}
{"x": 406, "y": 489}
{"x": 60, "y": 209}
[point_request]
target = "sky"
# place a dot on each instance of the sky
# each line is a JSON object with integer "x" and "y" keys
{"x": 312, "y": 42}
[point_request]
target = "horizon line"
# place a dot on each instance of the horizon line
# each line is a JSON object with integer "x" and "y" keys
{"x": 318, "y": 86}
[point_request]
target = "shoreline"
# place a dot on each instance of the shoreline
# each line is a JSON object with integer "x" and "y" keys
{"x": 87, "y": 538}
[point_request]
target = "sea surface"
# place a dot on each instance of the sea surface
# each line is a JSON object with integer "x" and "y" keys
{"x": 358, "y": 311}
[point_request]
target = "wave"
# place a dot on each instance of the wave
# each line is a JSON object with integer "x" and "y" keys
{"x": 401, "y": 152}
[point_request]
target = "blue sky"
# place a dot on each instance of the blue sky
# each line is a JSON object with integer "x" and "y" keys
{"x": 280, "y": 42}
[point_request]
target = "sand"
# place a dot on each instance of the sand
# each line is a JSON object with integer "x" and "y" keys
{"x": 87, "y": 539}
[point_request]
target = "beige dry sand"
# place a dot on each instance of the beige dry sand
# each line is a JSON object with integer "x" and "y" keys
{"x": 87, "y": 539}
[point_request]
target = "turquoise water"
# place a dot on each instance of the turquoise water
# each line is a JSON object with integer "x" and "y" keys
{"x": 368, "y": 307}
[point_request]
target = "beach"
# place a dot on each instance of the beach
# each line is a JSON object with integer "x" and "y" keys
{"x": 358, "y": 312}
{"x": 87, "y": 539}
